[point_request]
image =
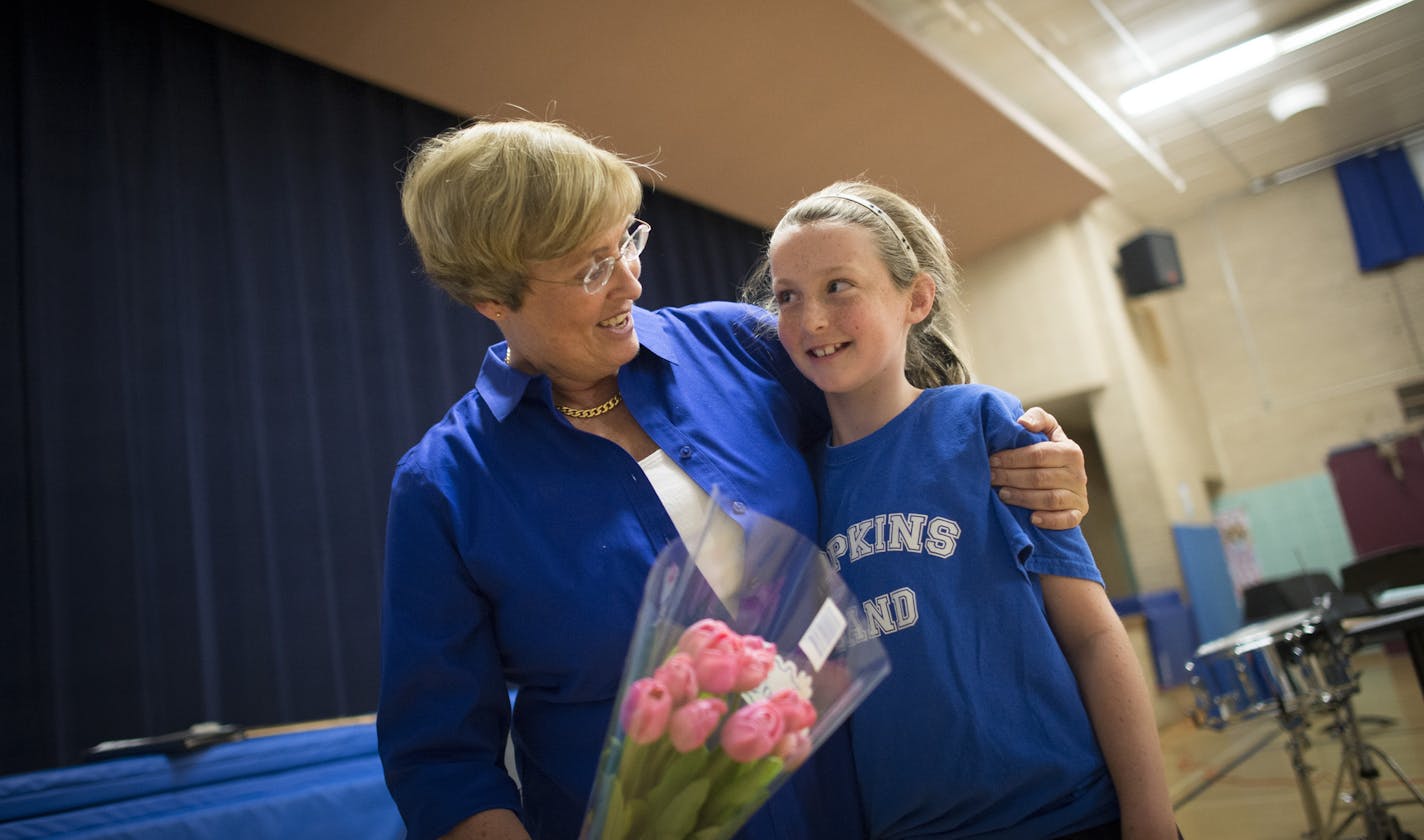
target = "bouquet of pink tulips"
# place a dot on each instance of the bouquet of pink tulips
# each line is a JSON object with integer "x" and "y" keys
{"x": 743, "y": 661}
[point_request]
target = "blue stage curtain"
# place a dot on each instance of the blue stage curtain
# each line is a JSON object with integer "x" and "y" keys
{"x": 215, "y": 342}
{"x": 1386, "y": 210}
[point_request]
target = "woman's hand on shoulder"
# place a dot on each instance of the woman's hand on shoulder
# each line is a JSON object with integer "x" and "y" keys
{"x": 1047, "y": 478}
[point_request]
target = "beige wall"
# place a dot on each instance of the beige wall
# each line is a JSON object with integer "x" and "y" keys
{"x": 1275, "y": 351}
{"x": 1044, "y": 318}
{"x": 1294, "y": 351}
{"x": 1103, "y": 529}
{"x": 1030, "y": 323}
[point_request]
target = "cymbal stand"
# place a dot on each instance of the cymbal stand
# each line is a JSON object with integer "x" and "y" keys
{"x": 1358, "y": 769}
{"x": 1296, "y": 725}
{"x": 1332, "y": 687}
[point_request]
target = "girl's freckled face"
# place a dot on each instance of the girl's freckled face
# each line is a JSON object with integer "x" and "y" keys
{"x": 840, "y": 315}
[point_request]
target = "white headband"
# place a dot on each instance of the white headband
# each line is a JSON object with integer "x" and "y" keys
{"x": 883, "y": 216}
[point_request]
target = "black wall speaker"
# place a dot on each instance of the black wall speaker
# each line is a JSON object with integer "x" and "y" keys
{"x": 1149, "y": 263}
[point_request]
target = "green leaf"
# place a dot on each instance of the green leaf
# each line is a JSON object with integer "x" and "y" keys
{"x": 615, "y": 819}
{"x": 640, "y": 766}
{"x": 677, "y": 820}
{"x": 629, "y": 760}
{"x": 764, "y": 771}
{"x": 748, "y": 787}
{"x": 683, "y": 768}
{"x": 637, "y": 811}
{"x": 721, "y": 769}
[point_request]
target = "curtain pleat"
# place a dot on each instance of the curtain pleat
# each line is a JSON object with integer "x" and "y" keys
{"x": 25, "y": 727}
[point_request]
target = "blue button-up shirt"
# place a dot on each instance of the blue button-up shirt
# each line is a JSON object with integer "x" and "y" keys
{"x": 517, "y": 548}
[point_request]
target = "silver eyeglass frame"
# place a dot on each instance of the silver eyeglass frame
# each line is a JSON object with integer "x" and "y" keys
{"x": 635, "y": 239}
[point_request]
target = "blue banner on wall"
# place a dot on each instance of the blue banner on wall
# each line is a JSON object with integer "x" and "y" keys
{"x": 1386, "y": 209}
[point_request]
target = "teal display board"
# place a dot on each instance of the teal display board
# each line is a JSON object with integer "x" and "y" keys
{"x": 1294, "y": 526}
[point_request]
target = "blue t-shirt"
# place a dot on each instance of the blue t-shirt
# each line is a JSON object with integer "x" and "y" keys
{"x": 517, "y": 548}
{"x": 979, "y": 729}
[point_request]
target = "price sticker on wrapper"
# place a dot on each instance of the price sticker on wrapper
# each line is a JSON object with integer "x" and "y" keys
{"x": 821, "y": 637}
{"x": 818, "y": 642}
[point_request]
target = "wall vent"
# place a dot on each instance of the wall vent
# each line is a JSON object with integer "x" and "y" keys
{"x": 1411, "y": 400}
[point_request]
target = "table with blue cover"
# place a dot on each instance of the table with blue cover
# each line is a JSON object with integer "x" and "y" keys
{"x": 323, "y": 782}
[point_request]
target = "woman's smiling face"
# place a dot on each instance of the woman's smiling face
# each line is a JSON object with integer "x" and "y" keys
{"x": 573, "y": 337}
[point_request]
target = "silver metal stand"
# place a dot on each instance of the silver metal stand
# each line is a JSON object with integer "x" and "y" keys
{"x": 1356, "y": 793}
{"x": 1296, "y": 727}
{"x": 1357, "y": 782}
{"x": 1307, "y": 655}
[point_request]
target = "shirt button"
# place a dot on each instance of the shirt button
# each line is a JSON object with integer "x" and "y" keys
{"x": 738, "y": 508}
{"x": 685, "y": 452}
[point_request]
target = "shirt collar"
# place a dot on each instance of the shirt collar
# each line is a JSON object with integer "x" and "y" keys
{"x": 502, "y": 387}
{"x": 652, "y": 335}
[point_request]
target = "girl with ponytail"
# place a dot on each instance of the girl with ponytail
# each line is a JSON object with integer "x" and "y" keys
{"x": 1030, "y": 714}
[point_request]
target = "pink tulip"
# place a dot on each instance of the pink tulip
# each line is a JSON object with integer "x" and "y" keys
{"x": 646, "y": 710}
{"x": 701, "y": 634}
{"x": 680, "y": 677}
{"x": 719, "y": 663}
{"x": 796, "y": 710}
{"x": 758, "y": 655}
{"x": 691, "y": 724}
{"x": 793, "y": 749}
{"x": 752, "y": 731}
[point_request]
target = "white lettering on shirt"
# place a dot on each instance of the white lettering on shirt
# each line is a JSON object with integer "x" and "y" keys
{"x": 914, "y": 533}
{"x": 835, "y": 550}
{"x": 908, "y": 533}
{"x": 888, "y": 613}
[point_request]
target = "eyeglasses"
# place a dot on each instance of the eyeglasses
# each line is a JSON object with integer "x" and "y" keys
{"x": 635, "y": 239}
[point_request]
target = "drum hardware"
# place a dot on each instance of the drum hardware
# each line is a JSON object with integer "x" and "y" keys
{"x": 1291, "y": 667}
{"x": 1364, "y": 799}
{"x": 1297, "y": 743}
{"x": 1271, "y": 667}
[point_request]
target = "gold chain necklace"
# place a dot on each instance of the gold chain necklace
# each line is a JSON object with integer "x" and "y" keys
{"x": 586, "y": 413}
{"x": 582, "y": 413}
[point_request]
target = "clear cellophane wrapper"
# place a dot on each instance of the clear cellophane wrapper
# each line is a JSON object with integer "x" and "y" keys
{"x": 686, "y": 759}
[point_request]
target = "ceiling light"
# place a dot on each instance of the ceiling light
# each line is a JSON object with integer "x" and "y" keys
{"x": 1245, "y": 57}
{"x": 1199, "y": 75}
{"x": 1303, "y": 96}
{"x": 1334, "y": 24}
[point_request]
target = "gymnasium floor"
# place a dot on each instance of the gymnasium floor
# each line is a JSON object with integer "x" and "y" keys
{"x": 1256, "y": 797}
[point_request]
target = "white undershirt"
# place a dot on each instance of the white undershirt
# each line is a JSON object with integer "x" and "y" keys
{"x": 720, "y": 555}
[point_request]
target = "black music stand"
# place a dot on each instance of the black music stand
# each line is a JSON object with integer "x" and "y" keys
{"x": 1390, "y": 568}
{"x": 1304, "y": 591}
{"x": 1377, "y": 572}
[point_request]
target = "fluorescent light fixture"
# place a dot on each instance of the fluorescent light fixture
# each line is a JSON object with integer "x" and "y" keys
{"x": 1334, "y": 24}
{"x": 1245, "y": 57}
{"x": 1200, "y": 75}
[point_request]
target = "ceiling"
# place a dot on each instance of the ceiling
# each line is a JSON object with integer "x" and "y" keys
{"x": 1221, "y": 141}
{"x": 746, "y": 105}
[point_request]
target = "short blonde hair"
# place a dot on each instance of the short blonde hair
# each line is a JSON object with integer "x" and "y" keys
{"x": 485, "y": 200}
